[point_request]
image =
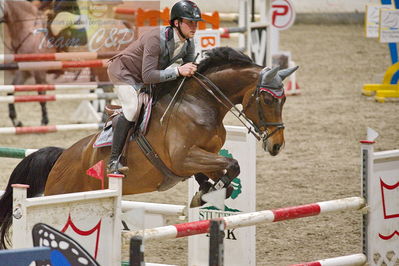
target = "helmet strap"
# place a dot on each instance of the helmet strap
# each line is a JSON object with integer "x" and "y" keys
{"x": 179, "y": 29}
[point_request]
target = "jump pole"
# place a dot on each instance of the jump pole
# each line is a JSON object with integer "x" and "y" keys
{"x": 47, "y": 129}
{"x": 55, "y": 87}
{"x": 149, "y": 207}
{"x": 15, "y": 153}
{"x": 350, "y": 260}
{"x": 57, "y": 97}
{"x": 52, "y": 65}
{"x": 9, "y": 58}
{"x": 248, "y": 219}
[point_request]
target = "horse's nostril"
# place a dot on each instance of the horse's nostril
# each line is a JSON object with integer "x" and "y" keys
{"x": 276, "y": 148}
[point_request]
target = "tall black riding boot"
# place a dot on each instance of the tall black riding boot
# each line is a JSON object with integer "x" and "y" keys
{"x": 118, "y": 141}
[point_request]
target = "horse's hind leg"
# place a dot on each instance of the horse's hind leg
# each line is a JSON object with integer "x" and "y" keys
{"x": 19, "y": 78}
{"x": 40, "y": 78}
{"x": 12, "y": 114}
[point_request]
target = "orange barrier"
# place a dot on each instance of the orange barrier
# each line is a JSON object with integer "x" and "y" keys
{"x": 157, "y": 17}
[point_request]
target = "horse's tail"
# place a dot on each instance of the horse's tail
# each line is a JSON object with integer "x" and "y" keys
{"x": 33, "y": 170}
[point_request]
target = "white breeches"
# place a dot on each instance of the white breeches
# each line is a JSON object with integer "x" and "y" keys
{"x": 128, "y": 98}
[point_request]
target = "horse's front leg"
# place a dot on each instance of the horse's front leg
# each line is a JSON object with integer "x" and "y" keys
{"x": 40, "y": 78}
{"x": 220, "y": 169}
{"x": 205, "y": 186}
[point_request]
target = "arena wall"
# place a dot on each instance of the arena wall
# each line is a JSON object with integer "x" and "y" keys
{"x": 308, "y": 12}
{"x": 308, "y": 6}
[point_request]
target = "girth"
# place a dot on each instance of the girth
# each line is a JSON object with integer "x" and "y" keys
{"x": 170, "y": 179}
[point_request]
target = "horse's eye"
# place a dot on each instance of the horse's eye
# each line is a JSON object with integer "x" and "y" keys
{"x": 267, "y": 100}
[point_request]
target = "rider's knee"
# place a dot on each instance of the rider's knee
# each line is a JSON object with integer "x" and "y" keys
{"x": 129, "y": 112}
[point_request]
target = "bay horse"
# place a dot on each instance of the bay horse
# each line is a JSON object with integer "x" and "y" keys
{"x": 187, "y": 141}
{"x": 21, "y": 18}
{"x": 28, "y": 33}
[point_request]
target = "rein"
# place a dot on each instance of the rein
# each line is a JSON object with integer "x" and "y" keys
{"x": 206, "y": 87}
{"x": 258, "y": 134}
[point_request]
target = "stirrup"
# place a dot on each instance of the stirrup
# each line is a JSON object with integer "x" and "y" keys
{"x": 115, "y": 167}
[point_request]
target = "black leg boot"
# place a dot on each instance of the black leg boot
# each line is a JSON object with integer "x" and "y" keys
{"x": 118, "y": 141}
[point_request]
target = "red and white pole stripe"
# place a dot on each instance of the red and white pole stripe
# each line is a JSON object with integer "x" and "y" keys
{"x": 253, "y": 218}
{"x": 48, "y": 129}
{"x": 52, "y": 65}
{"x": 52, "y": 87}
{"x": 57, "y": 97}
{"x": 8, "y": 58}
{"x": 226, "y": 32}
{"x": 350, "y": 260}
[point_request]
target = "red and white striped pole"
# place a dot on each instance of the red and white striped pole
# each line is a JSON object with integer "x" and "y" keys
{"x": 54, "y": 87}
{"x": 248, "y": 219}
{"x": 350, "y": 260}
{"x": 57, "y": 97}
{"x": 52, "y": 65}
{"x": 8, "y": 58}
{"x": 226, "y": 32}
{"x": 48, "y": 129}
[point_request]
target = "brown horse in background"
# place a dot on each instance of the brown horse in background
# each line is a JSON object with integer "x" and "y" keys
{"x": 188, "y": 141}
{"x": 28, "y": 32}
{"x": 102, "y": 34}
{"x": 21, "y": 18}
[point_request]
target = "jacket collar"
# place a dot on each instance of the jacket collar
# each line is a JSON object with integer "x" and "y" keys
{"x": 167, "y": 34}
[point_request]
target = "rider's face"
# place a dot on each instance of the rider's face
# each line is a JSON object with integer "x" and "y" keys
{"x": 188, "y": 27}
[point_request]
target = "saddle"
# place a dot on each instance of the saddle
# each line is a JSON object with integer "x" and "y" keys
{"x": 112, "y": 111}
{"x": 138, "y": 134}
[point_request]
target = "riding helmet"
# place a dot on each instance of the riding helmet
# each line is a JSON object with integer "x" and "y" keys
{"x": 187, "y": 10}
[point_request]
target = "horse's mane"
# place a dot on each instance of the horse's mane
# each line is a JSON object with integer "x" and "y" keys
{"x": 216, "y": 57}
{"x": 223, "y": 56}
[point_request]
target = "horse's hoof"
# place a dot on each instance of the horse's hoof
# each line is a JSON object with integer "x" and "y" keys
{"x": 18, "y": 124}
{"x": 196, "y": 201}
{"x": 45, "y": 122}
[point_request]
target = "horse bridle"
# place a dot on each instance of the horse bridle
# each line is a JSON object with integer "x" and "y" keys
{"x": 259, "y": 134}
{"x": 262, "y": 119}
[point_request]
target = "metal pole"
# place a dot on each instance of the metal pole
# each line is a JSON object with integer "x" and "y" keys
{"x": 216, "y": 248}
{"x": 253, "y": 11}
{"x": 136, "y": 251}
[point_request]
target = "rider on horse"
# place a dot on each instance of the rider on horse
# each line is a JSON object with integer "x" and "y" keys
{"x": 147, "y": 61}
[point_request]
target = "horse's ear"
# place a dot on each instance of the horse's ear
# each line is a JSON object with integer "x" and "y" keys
{"x": 268, "y": 75}
{"x": 286, "y": 72}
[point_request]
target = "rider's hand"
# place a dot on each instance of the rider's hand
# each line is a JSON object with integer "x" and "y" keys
{"x": 187, "y": 70}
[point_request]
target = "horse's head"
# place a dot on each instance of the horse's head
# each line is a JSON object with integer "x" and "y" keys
{"x": 264, "y": 104}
